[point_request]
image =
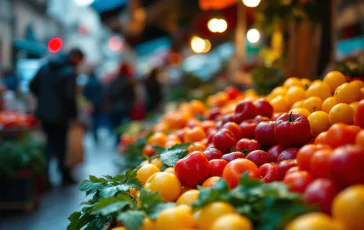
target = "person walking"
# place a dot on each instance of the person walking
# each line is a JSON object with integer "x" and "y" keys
{"x": 154, "y": 91}
{"x": 121, "y": 98}
{"x": 55, "y": 89}
{"x": 93, "y": 91}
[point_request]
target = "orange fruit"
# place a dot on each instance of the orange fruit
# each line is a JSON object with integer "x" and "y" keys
{"x": 319, "y": 122}
{"x": 189, "y": 197}
{"x": 208, "y": 214}
{"x": 314, "y": 221}
{"x": 209, "y": 182}
{"x": 158, "y": 138}
{"x": 157, "y": 162}
{"x": 328, "y": 104}
{"x": 280, "y": 90}
{"x": 334, "y": 79}
{"x": 359, "y": 83}
{"x": 279, "y": 104}
{"x": 305, "y": 82}
{"x": 341, "y": 113}
{"x": 301, "y": 111}
{"x": 198, "y": 107}
{"x": 167, "y": 184}
{"x": 292, "y": 81}
{"x": 347, "y": 93}
{"x": 146, "y": 171}
{"x": 359, "y": 140}
{"x": 313, "y": 104}
{"x": 348, "y": 207}
{"x": 298, "y": 104}
{"x": 319, "y": 89}
{"x": 194, "y": 134}
{"x": 178, "y": 218}
{"x": 295, "y": 94}
{"x": 354, "y": 105}
{"x": 197, "y": 146}
{"x": 232, "y": 222}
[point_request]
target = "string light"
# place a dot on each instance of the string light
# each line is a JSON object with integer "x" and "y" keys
{"x": 200, "y": 45}
{"x": 251, "y": 3}
{"x": 216, "y": 25}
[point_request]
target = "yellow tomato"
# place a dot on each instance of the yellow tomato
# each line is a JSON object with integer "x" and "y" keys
{"x": 295, "y": 94}
{"x": 348, "y": 207}
{"x": 198, "y": 107}
{"x": 176, "y": 218}
{"x": 279, "y": 104}
{"x": 298, "y": 104}
{"x": 132, "y": 191}
{"x": 354, "y": 105}
{"x": 328, "y": 104}
{"x": 359, "y": 83}
{"x": 319, "y": 122}
{"x": 313, "y": 104}
{"x": 170, "y": 170}
{"x": 292, "y": 81}
{"x": 146, "y": 171}
{"x": 166, "y": 184}
{"x": 319, "y": 89}
{"x": 301, "y": 111}
{"x": 189, "y": 197}
{"x": 207, "y": 215}
{"x": 157, "y": 162}
{"x": 305, "y": 82}
{"x": 341, "y": 113}
{"x": 314, "y": 221}
{"x": 280, "y": 90}
{"x": 347, "y": 93}
{"x": 148, "y": 224}
{"x": 232, "y": 222}
{"x": 334, "y": 79}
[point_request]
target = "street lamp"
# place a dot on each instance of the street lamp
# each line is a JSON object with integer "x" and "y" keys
{"x": 216, "y": 25}
{"x": 251, "y": 3}
{"x": 253, "y": 35}
{"x": 84, "y": 2}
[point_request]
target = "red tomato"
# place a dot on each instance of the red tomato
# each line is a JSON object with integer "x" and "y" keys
{"x": 264, "y": 134}
{"x": 212, "y": 153}
{"x": 192, "y": 169}
{"x": 292, "y": 130}
{"x": 319, "y": 163}
{"x": 248, "y": 128}
{"x": 236, "y": 168}
{"x": 245, "y": 110}
{"x": 321, "y": 192}
{"x": 298, "y": 181}
{"x": 259, "y": 157}
{"x": 284, "y": 166}
{"x": 287, "y": 154}
{"x": 269, "y": 172}
{"x": 346, "y": 165}
{"x": 217, "y": 167}
{"x": 358, "y": 116}
{"x": 233, "y": 156}
{"x": 232, "y": 92}
{"x": 235, "y": 128}
{"x": 274, "y": 152}
{"x": 264, "y": 108}
{"x": 214, "y": 114}
{"x": 305, "y": 153}
{"x": 224, "y": 140}
{"x": 261, "y": 118}
{"x": 293, "y": 169}
{"x": 321, "y": 138}
{"x": 341, "y": 134}
{"x": 246, "y": 145}
{"x": 228, "y": 118}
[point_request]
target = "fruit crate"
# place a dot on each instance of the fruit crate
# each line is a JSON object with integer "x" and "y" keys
{"x": 19, "y": 191}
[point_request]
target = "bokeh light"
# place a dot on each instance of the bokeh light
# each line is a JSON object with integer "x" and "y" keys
{"x": 251, "y": 3}
{"x": 197, "y": 44}
{"x": 55, "y": 45}
{"x": 84, "y": 2}
{"x": 253, "y": 35}
{"x": 216, "y": 25}
{"x": 115, "y": 43}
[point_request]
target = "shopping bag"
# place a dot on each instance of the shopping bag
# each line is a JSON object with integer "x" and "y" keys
{"x": 75, "y": 150}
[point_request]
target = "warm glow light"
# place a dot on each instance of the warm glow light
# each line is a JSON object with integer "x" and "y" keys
{"x": 55, "y": 45}
{"x": 84, "y": 2}
{"x": 115, "y": 43}
{"x": 251, "y": 3}
{"x": 217, "y": 25}
{"x": 200, "y": 45}
{"x": 253, "y": 35}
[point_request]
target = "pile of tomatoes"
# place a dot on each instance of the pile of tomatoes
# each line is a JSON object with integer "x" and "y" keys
{"x": 308, "y": 135}
{"x": 10, "y": 119}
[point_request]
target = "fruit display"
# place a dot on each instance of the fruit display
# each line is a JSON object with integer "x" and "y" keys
{"x": 10, "y": 120}
{"x": 293, "y": 159}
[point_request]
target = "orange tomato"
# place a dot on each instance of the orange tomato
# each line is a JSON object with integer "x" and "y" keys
{"x": 328, "y": 104}
{"x": 195, "y": 134}
{"x": 209, "y": 182}
{"x": 238, "y": 167}
{"x": 354, "y": 105}
{"x": 341, "y": 113}
{"x": 313, "y": 104}
{"x": 347, "y": 93}
{"x": 334, "y": 79}
{"x": 158, "y": 138}
{"x": 292, "y": 81}
{"x": 148, "y": 150}
{"x": 298, "y": 104}
{"x": 319, "y": 89}
{"x": 198, "y": 107}
{"x": 359, "y": 83}
{"x": 279, "y": 104}
{"x": 295, "y": 94}
{"x": 319, "y": 122}
{"x": 359, "y": 140}
{"x": 197, "y": 146}
{"x": 321, "y": 138}
{"x": 301, "y": 111}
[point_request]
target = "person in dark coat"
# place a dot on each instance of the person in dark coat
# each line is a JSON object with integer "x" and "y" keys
{"x": 154, "y": 91}
{"x": 10, "y": 80}
{"x": 121, "y": 97}
{"x": 93, "y": 91}
{"x": 55, "y": 89}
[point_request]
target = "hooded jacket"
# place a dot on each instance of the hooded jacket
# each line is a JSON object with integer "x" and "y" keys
{"x": 54, "y": 86}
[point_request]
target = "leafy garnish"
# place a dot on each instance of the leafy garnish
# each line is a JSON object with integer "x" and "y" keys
{"x": 132, "y": 219}
{"x": 173, "y": 154}
{"x": 152, "y": 203}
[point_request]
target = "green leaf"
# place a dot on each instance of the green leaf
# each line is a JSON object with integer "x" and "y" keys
{"x": 132, "y": 219}
{"x": 111, "y": 191}
{"x": 110, "y": 205}
{"x": 175, "y": 153}
{"x": 152, "y": 203}
{"x": 92, "y": 185}
{"x": 78, "y": 221}
{"x": 154, "y": 211}
{"x": 209, "y": 195}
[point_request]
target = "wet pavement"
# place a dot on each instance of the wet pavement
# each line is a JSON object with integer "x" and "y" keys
{"x": 57, "y": 204}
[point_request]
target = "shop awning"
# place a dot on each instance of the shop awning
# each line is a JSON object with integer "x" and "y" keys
{"x": 31, "y": 47}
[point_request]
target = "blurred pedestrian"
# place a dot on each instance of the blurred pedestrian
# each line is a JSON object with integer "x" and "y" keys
{"x": 121, "y": 97}
{"x": 10, "y": 80}
{"x": 93, "y": 91}
{"x": 154, "y": 91}
{"x": 55, "y": 88}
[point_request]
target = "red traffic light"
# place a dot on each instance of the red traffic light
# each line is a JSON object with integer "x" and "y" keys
{"x": 55, "y": 45}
